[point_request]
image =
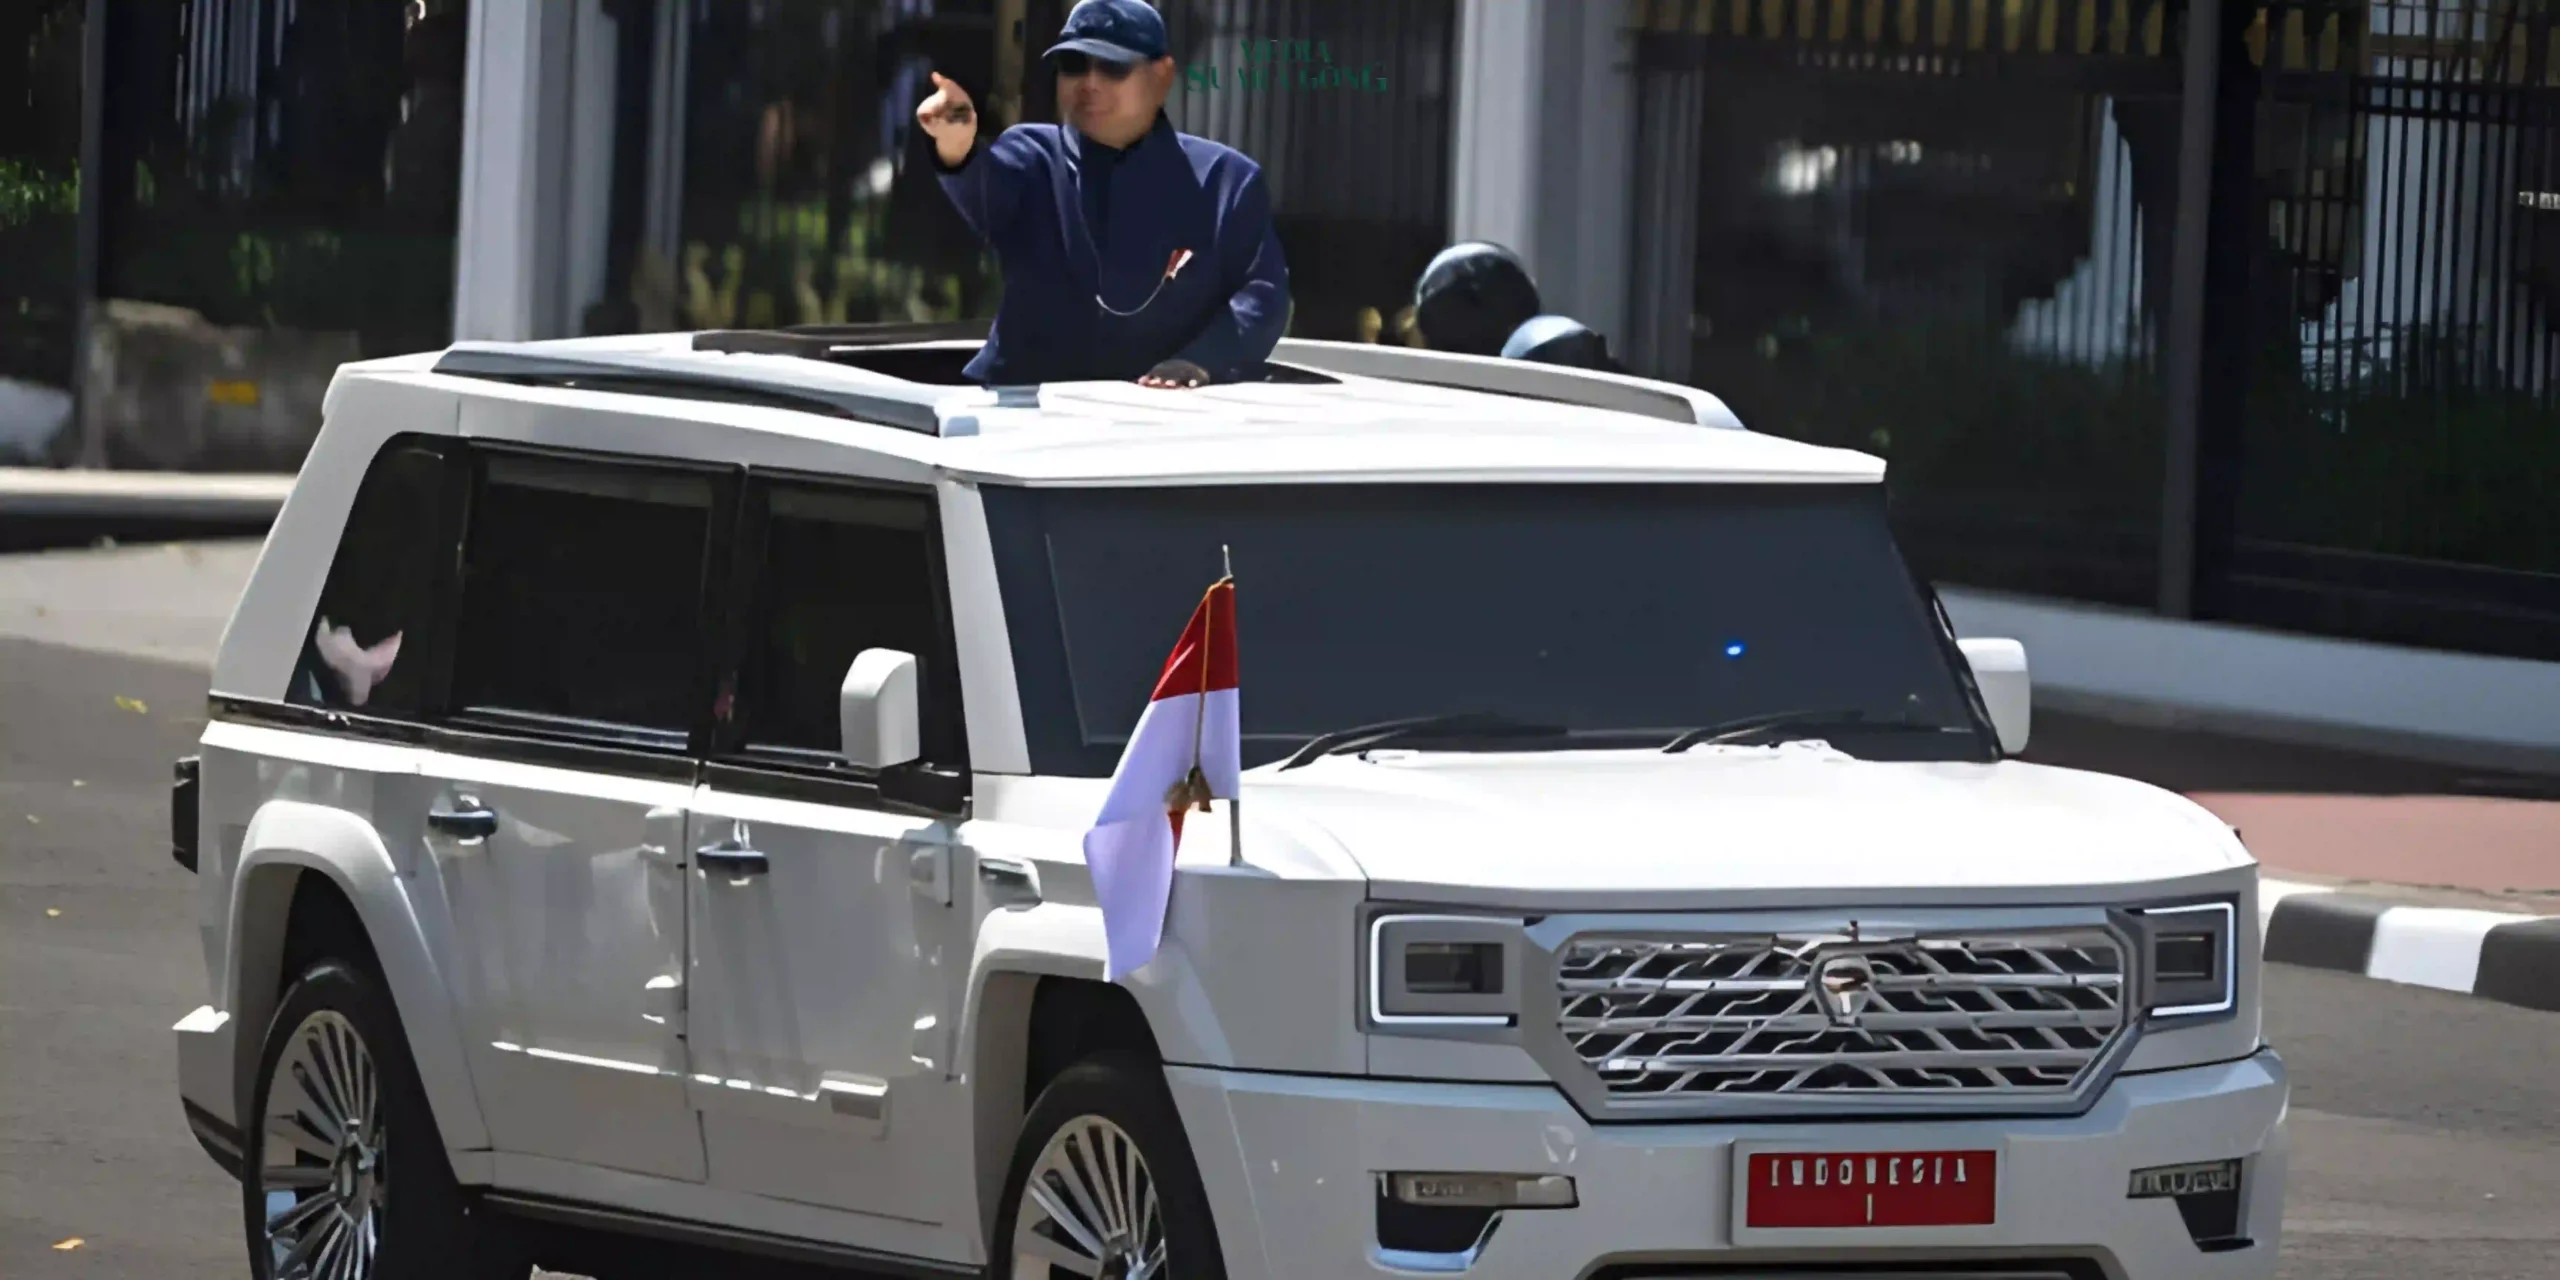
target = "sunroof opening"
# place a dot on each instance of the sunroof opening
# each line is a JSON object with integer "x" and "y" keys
{"x": 897, "y": 351}
{"x": 934, "y": 366}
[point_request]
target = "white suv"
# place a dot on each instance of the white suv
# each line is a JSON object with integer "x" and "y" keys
{"x": 559, "y": 865}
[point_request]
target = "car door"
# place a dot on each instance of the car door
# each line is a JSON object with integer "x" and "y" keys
{"x": 823, "y": 942}
{"x": 556, "y": 790}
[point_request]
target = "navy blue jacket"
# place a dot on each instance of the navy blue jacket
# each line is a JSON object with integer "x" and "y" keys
{"x": 1025, "y": 194}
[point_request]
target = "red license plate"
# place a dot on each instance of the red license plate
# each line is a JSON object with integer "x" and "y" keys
{"x": 1871, "y": 1189}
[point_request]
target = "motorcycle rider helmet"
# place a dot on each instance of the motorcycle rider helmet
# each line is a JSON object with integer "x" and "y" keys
{"x": 1471, "y": 297}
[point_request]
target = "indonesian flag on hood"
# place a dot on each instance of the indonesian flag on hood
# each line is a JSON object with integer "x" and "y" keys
{"x": 1187, "y": 750}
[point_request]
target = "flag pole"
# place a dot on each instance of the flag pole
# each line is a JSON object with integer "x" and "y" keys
{"x": 1235, "y": 803}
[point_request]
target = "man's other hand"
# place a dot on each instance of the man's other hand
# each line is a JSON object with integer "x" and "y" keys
{"x": 950, "y": 119}
{"x": 1175, "y": 373}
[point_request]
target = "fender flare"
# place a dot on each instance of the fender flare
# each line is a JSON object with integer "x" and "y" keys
{"x": 1058, "y": 940}
{"x": 1063, "y": 940}
{"x": 289, "y": 838}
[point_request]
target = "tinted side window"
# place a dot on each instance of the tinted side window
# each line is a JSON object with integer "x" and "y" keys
{"x": 366, "y": 647}
{"x": 844, "y": 570}
{"x": 582, "y": 597}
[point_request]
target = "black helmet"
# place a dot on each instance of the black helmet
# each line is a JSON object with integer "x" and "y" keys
{"x": 1559, "y": 340}
{"x": 1471, "y": 297}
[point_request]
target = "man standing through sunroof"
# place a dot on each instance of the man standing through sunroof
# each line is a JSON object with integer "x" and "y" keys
{"x": 1129, "y": 250}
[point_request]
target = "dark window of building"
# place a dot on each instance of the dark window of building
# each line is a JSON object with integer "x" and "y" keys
{"x": 1347, "y": 109}
{"x": 279, "y": 195}
{"x": 40, "y": 62}
{"x": 1964, "y": 274}
{"x": 368, "y": 645}
{"x": 582, "y": 596}
{"x": 844, "y": 570}
{"x": 2380, "y": 416}
{"x": 752, "y": 165}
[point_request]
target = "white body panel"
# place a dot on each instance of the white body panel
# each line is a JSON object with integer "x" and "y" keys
{"x": 819, "y": 1010}
{"x": 830, "y": 1049}
{"x": 568, "y": 948}
{"x": 1739, "y": 826}
{"x": 1284, "y": 1158}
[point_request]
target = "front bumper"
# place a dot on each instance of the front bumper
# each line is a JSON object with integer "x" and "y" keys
{"x": 205, "y": 1083}
{"x": 1291, "y": 1164}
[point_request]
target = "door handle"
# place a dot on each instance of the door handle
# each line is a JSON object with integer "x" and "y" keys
{"x": 468, "y": 818}
{"x": 731, "y": 858}
{"x": 1010, "y": 883}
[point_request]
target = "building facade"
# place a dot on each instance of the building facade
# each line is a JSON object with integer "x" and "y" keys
{"x": 2236, "y": 313}
{"x": 2201, "y": 309}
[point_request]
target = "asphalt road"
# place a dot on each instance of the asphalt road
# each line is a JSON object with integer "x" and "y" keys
{"x": 2427, "y": 1125}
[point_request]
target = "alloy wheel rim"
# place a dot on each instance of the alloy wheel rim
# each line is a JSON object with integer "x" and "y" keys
{"x": 1089, "y": 1208}
{"x": 322, "y": 1183}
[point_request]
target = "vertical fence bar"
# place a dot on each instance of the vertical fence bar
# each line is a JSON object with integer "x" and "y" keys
{"x": 2198, "y": 102}
{"x": 2443, "y": 157}
{"x": 2394, "y": 94}
{"x": 88, "y": 272}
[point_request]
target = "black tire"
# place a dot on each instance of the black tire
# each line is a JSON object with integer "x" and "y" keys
{"x": 1128, "y": 1092}
{"x": 426, "y": 1227}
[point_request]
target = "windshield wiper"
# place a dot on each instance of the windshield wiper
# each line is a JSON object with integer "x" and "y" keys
{"x": 1465, "y": 724}
{"x": 1742, "y": 727}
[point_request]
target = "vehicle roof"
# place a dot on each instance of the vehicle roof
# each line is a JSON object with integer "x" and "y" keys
{"x": 1333, "y": 425}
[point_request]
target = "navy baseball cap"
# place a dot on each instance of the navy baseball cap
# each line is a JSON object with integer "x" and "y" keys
{"x": 1123, "y": 31}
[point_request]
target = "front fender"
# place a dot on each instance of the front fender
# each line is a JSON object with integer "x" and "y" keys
{"x": 1254, "y": 971}
{"x": 288, "y": 839}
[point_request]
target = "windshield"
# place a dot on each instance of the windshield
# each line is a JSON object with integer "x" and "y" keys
{"x": 1625, "y": 614}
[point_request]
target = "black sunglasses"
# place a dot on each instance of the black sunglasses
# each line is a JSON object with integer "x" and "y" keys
{"x": 1072, "y": 63}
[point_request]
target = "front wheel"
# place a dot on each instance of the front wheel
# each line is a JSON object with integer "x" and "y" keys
{"x": 343, "y": 1174}
{"x": 1103, "y": 1184}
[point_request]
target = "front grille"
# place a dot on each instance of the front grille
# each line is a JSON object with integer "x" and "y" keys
{"x": 1962, "y": 1019}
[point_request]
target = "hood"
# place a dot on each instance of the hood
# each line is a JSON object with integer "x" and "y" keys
{"x": 1799, "y": 823}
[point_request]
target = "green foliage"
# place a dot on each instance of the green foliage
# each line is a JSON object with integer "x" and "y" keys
{"x": 2410, "y": 459}
{"x": 775, "y": 266}
{"x": 393, "y": 287}
{"x": 1966, "y": 421}
{"x": 28, "y": 192}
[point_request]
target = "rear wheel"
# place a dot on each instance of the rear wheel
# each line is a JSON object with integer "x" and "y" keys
{"x": 344, "y": 1174}
{"x": 1103, "y": 1184}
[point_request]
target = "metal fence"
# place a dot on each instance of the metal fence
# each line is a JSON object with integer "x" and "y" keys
{"x": 1347, "y": 106}
{"x": 2400, "y": 436}
{"x": 1934, "y": 230}
{"x": 1944, "y": 230}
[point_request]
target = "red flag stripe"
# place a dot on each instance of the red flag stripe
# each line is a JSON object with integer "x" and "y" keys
{"x": 1204, "y": 660}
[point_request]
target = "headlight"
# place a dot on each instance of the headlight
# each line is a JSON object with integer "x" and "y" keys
{"x": 2190, "y": 960}
{"x": 1443, "y": 971}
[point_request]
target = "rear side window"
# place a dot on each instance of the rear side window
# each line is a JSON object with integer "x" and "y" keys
{"x": 843, "y": 570}
{"x": 581, "y": 601}
{"x": 365, "y": 647}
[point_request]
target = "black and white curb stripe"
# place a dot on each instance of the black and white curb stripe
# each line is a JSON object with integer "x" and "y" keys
{"x": 2497, "y": 955}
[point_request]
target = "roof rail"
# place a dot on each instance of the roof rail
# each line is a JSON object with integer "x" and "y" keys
{"x": 660, "y": 376}
{"x": 1562, "y": 384}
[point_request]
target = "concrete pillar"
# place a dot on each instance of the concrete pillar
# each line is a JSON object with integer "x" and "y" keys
{"x": 1544, "y": 138}
{"x": 505, "y": 285}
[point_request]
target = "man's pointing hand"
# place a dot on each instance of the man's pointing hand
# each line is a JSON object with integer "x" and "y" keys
{"x": 950, "y": 119}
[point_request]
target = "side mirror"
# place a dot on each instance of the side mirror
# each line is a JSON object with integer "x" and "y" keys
{"x": 876, "y": 709}
{"x": 2000, "y": 668}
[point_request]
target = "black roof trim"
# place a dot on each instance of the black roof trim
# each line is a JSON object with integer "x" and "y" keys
{"x": 825, "y": 342}
{"x": 818, "y": 341}
{"x": 635, "y": 378}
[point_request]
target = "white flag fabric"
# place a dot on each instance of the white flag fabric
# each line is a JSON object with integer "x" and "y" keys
{"x": 1187, "y": 749}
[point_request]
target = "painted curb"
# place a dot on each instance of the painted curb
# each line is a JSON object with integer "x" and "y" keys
{"x": 2495, "y": 955}
{"x": 75, "y": 493}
